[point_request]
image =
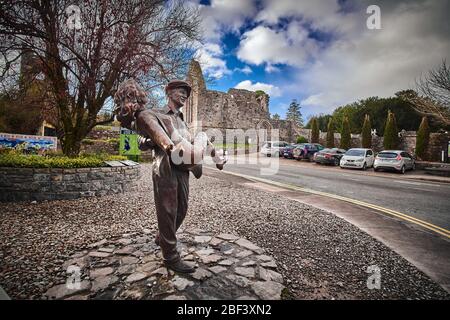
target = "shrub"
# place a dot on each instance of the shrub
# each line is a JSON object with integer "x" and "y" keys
{"x": 390, "y": 139}
{"x": 366, "y": 133}
{"x": 14, "y": 159}
{"x": 314, "y": 131}
{"x": 330, "y": 134}
{"x": 345, "y": 134}
{"x": 423, "y": 138}
{"x": 301, "y": 139}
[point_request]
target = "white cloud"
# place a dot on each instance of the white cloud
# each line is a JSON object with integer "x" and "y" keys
{"x": 210, "y": 58}
{"x": 267, "y": 45}
{"x": 225, "y": 16}
{"x": 245, "y": 70}
{"x": 267, "y": 88}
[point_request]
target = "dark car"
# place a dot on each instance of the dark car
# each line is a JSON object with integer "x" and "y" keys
{"x": 306, "y": 151}
{"x": 288, "y": 152}
{"x": 329, "y": 156}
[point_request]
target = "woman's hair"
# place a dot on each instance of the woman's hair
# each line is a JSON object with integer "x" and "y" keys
{"x": 130, "y": 89}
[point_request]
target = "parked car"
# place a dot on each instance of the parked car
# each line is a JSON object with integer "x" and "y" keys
{"x": 359, "y": 158}
{"x": 272, "y": 148}
{"x": 397, "y": 160}
{"x": 329, "y": 156}
{"x": 306, "y": 151}
{"x": 288, "y": 152}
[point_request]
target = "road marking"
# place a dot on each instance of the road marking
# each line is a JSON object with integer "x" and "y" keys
{"x": 418, "y": 183}
{"x": 403, "y": 216}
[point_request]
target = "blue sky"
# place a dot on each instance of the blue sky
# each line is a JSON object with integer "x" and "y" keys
{"x": 320, "y": 52}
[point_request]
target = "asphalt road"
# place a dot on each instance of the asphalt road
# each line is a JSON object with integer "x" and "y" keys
{"x": 428, "y": 201}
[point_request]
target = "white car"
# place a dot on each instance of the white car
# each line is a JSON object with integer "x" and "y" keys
{"x": 272, "y": 148}
{"x": 358, "y": 158}
{"x": 397, "y": 160}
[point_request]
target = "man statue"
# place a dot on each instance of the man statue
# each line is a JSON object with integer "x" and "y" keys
{"x": 176, "y": 154}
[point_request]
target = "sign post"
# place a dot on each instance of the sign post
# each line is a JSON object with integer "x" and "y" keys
{"x": 128, "y": 145}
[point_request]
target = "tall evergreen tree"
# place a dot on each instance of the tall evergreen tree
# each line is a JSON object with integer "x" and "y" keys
{"x": 314, "y": 131}
{"x": 423, "y": 138}
{"x": 276, "y": 116}
{"x": 345, "y": 134}
{"x": 330, "y": 134}
{"x": 390, "y": 139}
{"x": 366, "y": 133}
{"x": 294, "y": 113}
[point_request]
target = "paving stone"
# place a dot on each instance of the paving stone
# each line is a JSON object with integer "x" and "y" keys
{"x": 227, "y": 236}
{"x": 103, "y": 282}
{"x": 217, "y": 269}
{"x": 249, "y": 263}
{"x": 129, "y": 260}
{"x": 246, "y": 272}
{"x": 202, "y": 239}
{"x": 215, "y": 242}
{"x": 270, "y": 264}
{"x": 267, "y": 290}
{"x": 125, "y": 269}
{"x": 125, "y": 250}
{"x": 149, "y": 267}
{"x": 268, "y": 275}
{"x": 94, "y": 273}
{"x": 181, "y": 283}
{"x": 107, "y": 249}
{"x": 62, "y": 291}
{"x": 249, "y": 245}
{"x": 246, "y": 298}
{"x": 238, "y": 280}
{"x": 98, "y": 254}
{"x": 136, "y": 276}
{"x": 201, "y": 274}
{"x": 125, "y": 241}
{"x": 98, "y": 244}
{"x": 161, "y": 271}
{"x": 226, "y": 262}
{"x": 210, "y": 259}
{"x": 205, "y": 252}
{"x": 244, "y": 254}
{"x": 264, "y": 258}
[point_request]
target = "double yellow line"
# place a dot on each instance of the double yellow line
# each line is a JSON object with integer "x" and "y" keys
{"x": 403, "y": 216}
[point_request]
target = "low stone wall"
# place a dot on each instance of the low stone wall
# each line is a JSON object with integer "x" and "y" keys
{"x": 27, "y": 184}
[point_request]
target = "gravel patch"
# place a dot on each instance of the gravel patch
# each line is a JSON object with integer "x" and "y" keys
{"x": 320, "y": 256}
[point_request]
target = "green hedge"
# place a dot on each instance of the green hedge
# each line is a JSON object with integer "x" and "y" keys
{"x": 13, "y": 159}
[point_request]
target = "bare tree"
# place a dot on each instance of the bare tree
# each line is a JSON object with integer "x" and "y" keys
{"x": 87, "y": 47}
{"x": 433, "y": 94}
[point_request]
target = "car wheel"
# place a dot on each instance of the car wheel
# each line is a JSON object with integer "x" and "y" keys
{"x": 375, "y": 169}
{"x": 364, "y": 166}
{"x": 402, "y": 170}
{"x": 336, "y": 161}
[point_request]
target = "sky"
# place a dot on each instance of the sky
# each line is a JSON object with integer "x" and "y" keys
{"x": 321, "y": 52}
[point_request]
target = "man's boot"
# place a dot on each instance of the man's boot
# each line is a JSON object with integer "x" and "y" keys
{"x": 179, "y": 266}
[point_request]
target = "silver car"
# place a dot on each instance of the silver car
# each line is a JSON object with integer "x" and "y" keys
{"x": 397, "y": 160}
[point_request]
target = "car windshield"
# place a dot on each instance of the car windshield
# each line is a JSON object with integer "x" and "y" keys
{"x": 268, "y": 145}
{"x": 354, "y": 152}
{"x": 389, "y": 155}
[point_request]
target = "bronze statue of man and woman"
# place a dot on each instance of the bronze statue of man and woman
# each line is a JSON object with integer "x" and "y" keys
{"x": 176, "y": 154}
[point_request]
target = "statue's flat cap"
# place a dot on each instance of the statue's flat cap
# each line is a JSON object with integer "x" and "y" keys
{"x": 179, "y": 84}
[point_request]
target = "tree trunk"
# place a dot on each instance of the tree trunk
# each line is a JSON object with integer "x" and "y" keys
{"x": 71, "y": 145}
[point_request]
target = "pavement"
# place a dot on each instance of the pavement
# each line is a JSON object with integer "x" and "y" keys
{"x": 425, "y": 247}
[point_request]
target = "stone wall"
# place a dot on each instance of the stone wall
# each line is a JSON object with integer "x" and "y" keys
{"x": 27, "y": 184}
